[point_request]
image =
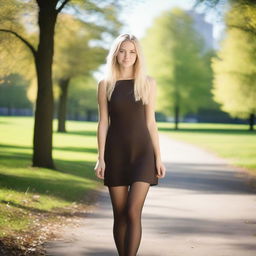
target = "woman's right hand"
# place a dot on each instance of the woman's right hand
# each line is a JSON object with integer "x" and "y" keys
{"x": 100, "y": 169}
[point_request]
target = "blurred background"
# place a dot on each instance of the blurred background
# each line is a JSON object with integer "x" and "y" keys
{"x": 201, "y": 38}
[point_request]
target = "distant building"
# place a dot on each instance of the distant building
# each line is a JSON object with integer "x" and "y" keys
{"x": 204, "y": 28}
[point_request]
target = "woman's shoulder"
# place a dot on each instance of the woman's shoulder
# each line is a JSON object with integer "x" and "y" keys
{"x": 102, "y": 82}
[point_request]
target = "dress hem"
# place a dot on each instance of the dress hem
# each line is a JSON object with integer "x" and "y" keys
{"x": 129, "y": 184}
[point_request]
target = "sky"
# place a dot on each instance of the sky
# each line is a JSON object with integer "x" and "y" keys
{"x": 140, "y": 15}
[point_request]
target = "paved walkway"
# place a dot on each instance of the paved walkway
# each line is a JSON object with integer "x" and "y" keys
{"x": 202, "y": 207}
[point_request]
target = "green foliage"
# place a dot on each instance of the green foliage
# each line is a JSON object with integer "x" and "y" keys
{"x": 17, "y": 16}
{"x": 13, "y": 92}
{"x": 74, "y": 56}
{"x": 243, "y": 15}
{"x": 235, "y": 67}
{"x": 82, "y": 96}
{"x": 173, "y": 52}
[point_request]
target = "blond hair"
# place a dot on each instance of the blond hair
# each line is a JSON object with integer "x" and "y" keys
{"x": 141, "y": 80}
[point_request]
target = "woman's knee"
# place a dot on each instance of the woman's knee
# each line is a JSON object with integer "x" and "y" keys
{"x": 133, "y": 212}
{"x": 120, "y": 215}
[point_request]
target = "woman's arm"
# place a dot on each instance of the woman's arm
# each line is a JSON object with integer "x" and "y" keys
{"x": 150, "y": 119}
{"x": 102, "y": 128}
{"x": 103, "y": 119}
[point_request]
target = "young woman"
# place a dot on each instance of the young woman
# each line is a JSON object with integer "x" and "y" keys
{"x": 129, "y": 158}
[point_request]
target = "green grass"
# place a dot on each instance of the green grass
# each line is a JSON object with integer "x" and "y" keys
{"x": 26, "y": 191}
{"x": 231, "y": 141}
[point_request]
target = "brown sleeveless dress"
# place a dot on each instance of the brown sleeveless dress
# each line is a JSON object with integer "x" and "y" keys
{"x": 129, "y": 154}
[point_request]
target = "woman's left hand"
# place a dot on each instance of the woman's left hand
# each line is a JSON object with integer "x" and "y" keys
{"x": 161, "y": 170}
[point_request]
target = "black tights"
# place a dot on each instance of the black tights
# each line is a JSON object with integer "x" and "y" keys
{"x": 127, "y": 208}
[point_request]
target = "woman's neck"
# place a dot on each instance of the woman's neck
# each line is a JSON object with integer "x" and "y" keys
{"x": 126, "y": 74}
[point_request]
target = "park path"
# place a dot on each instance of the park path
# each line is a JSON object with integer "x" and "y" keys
{"x": 202, "y": 207}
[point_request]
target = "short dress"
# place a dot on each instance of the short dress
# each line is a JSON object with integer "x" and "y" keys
{"x": 128, "y": 154}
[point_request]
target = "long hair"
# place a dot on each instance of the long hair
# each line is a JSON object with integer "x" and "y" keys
{"x": 141, "y": 80}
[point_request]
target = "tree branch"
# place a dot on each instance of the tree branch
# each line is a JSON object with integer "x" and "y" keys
{"x": 62, "y": 5}
{"x": 246, "y": 29}
{"x": 30, "y": 46}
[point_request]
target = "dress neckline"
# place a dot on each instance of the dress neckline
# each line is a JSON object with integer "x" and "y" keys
{"x": 125, "y": 80}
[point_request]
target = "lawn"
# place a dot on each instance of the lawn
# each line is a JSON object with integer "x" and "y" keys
{"x": 26, "y": 192}
{"x": 231, "y": 141}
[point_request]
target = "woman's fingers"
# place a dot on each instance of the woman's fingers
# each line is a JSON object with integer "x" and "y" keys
{"x": 99, "y": 170}
{"x": 159, "y": 174}
{"x": 161, "y": 171}
{"x": 100, "y": 173}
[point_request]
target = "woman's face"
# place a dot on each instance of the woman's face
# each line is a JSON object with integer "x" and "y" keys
{"x": 127, "y": 55}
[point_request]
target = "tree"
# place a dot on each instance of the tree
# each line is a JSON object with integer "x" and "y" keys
{"x": 48, "y": 11}
{"x": 13, "y": 93}
{"x": 15, "y": 55}
{"x": 245, "y": 22}
{"x": 235, "y": 70}
{"x": 82, "y": 98}
{"x": 74, "y": 57}
{"x": 173, "y": 52}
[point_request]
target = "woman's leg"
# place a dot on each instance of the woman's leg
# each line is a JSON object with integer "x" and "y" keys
{"x": 137, "y": 195}
{"x": 119, "y": 197}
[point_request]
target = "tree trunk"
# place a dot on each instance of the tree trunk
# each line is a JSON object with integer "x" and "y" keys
{"x": 176, "y": 116}
{"x": 42, "y": 154}
{"x": 62, "y": 106}
{"x": 251, "y": 121}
